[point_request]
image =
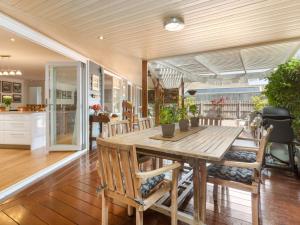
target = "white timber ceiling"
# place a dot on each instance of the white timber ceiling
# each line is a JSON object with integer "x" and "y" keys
{"x": 223, "y": 67}
{"x": 26, "y": 56}
{"x": 135, "y": 27}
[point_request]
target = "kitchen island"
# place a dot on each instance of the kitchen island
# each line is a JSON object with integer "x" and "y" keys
{"x": 22, "y": 130}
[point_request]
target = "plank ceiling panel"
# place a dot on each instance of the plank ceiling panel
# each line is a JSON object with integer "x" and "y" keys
{"x": 224, "y": 61}
{"x": 269, "y": 56}
{"x": 135, "y": 27}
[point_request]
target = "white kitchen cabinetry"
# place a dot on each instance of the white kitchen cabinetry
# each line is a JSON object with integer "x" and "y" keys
{"x": 23, "y": 129}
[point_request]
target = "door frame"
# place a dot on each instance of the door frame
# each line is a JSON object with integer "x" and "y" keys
{"x": 20, "y": 29}
{"x": 81, "y": 103}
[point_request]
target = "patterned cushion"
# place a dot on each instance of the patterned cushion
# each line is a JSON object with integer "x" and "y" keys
{"x": 150, "y": 184}
{"x": 242, "y": 175}
{"x": 240, "y": 156}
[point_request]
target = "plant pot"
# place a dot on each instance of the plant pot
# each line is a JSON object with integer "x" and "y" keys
{"x": 194, "y": 121}
{"x": 184, "y": 125}
{"x": 7, "y": 108}
{"x": 168, "y": 130}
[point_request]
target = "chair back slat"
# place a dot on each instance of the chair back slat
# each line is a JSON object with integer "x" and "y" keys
{"x": 118, "y": 127}
{"x": 119, "y": 165}
{"x": 210, "y": 121}
{"x": 117, "y": 171}
{"x": 145, "y": 123}
{"x": 107, "y": 169}
{"x": 263, "y": 145}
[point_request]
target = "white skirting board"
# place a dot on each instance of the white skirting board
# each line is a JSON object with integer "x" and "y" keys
{"x": 15, "y": 188}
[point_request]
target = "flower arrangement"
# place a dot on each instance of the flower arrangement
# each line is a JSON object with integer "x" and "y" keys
{"x": 96, "y": 108}
{"x": 217, "y": 105}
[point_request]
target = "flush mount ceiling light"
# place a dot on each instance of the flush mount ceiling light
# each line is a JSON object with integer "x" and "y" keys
{"x": 174, "y": 24}
{"x": 100, "y": 37}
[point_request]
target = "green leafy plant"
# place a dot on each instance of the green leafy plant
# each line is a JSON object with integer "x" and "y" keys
{"x": 182, "y": 114}
{"x": 283, "y": 89}
{"x": 259, "y": 102}
{"x": 167, "y": 115}
{"x": 194, "y": 110}
{"x": 7, "y": 100}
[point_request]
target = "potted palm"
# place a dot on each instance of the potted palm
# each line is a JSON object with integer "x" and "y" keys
{"x": 183, "y": 119}
{"x": 195, "y": 118}
{"x": 7, "y": 100}
{"x": 167, "y": 116}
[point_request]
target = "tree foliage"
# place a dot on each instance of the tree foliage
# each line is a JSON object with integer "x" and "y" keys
{"x": 283, "y": 89}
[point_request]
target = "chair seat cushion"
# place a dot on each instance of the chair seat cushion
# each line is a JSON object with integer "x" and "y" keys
{"x": 150, "y": 184}
{"x": 241, "y": 156}
{"x": 242, "y": 175}
{"x": 244, "y": 143}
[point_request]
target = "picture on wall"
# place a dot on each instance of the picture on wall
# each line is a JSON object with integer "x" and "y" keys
{"x": 17, "y": 87}
{"x": 63, "y": 95}
{"x": 69, "y": 94}
{"x": 95, "y": 83}
{"x": 7, "y": 87}
{"x": 58, "y": 94}
{"x": 17, "y": 98}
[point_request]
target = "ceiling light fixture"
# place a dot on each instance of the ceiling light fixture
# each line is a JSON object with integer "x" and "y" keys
{"x": 174, "y": 24}
{"x": 12, "y": 39}
{"x": 8, "y": 72}
{"x": 100, "y": 37}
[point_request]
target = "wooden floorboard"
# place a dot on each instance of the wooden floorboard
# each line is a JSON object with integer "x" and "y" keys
{"x": 18, "y": 164}
{"x": 68, "y": 196}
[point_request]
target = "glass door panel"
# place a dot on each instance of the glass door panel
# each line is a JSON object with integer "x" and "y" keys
{"x": 64, "y": 106}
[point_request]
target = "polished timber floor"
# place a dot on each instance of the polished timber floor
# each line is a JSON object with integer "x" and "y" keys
{"x": 68, "y": 197}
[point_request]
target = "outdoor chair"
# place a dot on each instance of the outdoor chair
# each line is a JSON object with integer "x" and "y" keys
{"x": 122, "y": 181}
{"x": 244, "y": 176}
{"x": 119, "y": 127}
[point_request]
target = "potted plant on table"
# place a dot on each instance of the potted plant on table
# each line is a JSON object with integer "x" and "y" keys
{"x": 7, "y": 100}
{"x": 167, "y": 117}
{"x": 195, "y": 118}
{"x": 183, "y": 119}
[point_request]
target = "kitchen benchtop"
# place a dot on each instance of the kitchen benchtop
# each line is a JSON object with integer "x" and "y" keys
{"x": 19, "y": 112}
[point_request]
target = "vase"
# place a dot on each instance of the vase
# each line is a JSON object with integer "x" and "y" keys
{"x": 168, "y": 130}
{"x": 184, "y": 125}
{"x": 194, "y": 121}
{"x": 7, "y": 108}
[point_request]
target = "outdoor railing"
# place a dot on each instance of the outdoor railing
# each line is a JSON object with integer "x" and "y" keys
{"x": 229, "y": 110}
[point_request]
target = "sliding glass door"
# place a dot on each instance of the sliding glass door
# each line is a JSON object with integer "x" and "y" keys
{"x": 66, "y": 106}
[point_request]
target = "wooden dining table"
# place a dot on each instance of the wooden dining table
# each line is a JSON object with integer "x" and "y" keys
{"x": 207, "y": 145}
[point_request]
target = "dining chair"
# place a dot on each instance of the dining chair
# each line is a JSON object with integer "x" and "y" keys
{"x": 122, "y": 181}
{"x": 119, "y": 127}
{"x": 144, "y": 123}
{"x": 244, "y": 176}
{"x": 210, "y": 121}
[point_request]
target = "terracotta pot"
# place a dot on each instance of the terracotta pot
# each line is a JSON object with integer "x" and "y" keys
{"x": 194, "y": 121}
{"x": 168, "y": 130}
{"x": 184, "y": 125}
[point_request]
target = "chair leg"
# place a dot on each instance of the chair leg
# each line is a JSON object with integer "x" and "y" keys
{"x": 215, "y": 192}
{"x": 174, "y": 195}
{"x": 292, "y": 157}
{"x": 255, "y": 207}
{"x": 139, "y": 217}
{"x": 104, "y": 209}
{"x": 130, "y": 210}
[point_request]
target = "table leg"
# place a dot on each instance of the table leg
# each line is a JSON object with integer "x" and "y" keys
{"x": 196, "y": 181}
{"x": 203, "y": 175}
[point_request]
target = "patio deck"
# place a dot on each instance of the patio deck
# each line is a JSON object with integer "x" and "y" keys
{"x": 68, "y": 197}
